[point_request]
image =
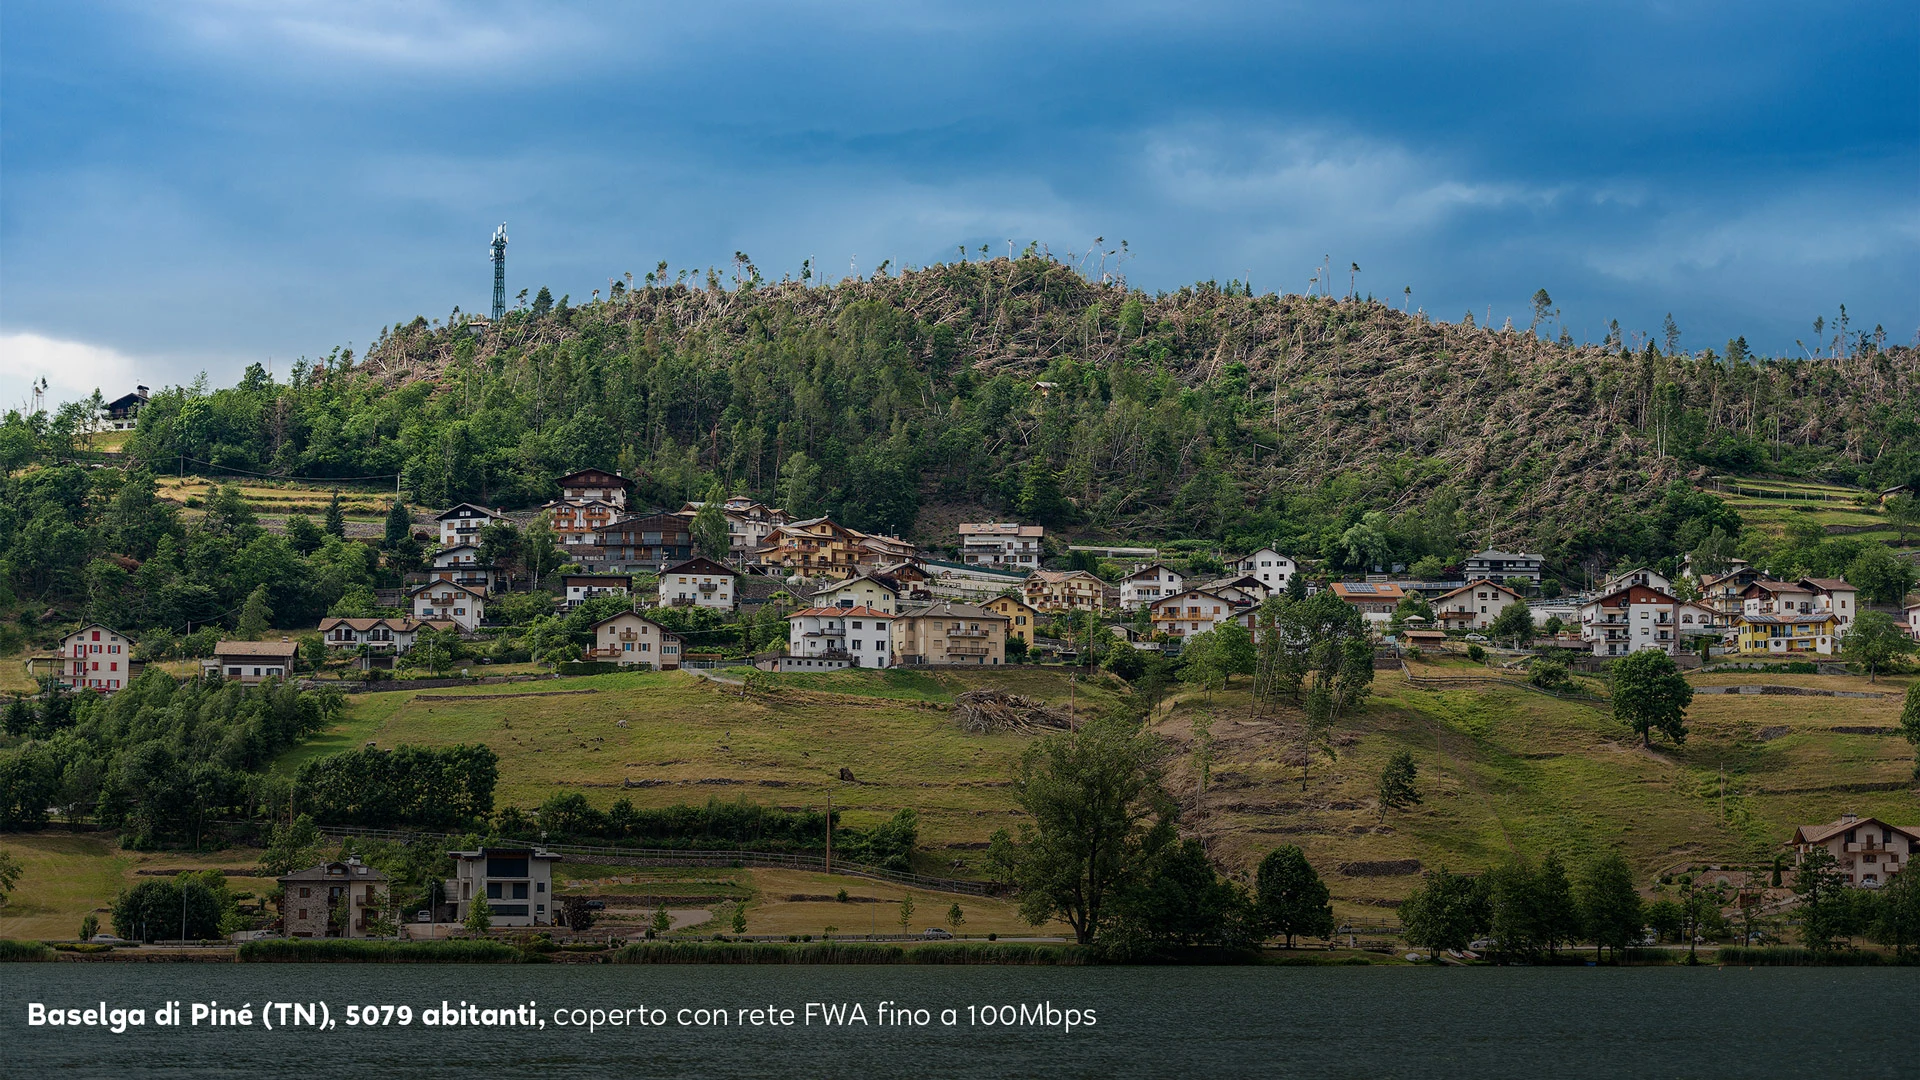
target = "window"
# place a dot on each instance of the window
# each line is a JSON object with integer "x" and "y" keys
{"x": 493, "y": 890}
{"x": 519, "y": 890}
{"x": 304, "y": 893}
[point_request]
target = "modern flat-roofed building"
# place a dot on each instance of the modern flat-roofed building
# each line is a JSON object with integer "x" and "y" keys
{"x": 516, "y": 881}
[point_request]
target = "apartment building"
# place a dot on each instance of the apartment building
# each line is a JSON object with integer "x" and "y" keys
{"x": 631, "y": 640}
{"x": 861, "y": 636}
{"x": 1148, "y": 584}
{"x": 699, "y": 582}
{"x": 946, "y": 632}
{"x": 516, "y": 881}
{"x": 1001, "y": 543}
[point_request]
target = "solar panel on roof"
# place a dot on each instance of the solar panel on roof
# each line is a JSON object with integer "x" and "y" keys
{"x": 1363, "y": 586}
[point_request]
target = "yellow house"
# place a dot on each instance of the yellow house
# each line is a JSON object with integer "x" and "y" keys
{"x": 1774, "y": 635}
{"x": 1021, "y": 616}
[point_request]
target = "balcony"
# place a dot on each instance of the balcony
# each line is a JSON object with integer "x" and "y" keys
{"x": 708, "y": 586}
{"x": 825, "y": 633}
{"x": 966, "y": 650}
{"x": 981, "y": 634}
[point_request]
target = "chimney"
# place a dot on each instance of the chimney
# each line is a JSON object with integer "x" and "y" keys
{"x": 141, "y": 390}
{"x": 1849, "y": 817}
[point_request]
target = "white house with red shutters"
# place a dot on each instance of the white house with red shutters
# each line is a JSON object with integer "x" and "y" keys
{"x": 97, "y": 657}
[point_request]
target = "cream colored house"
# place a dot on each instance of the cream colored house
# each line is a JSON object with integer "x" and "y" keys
{"x": 629, "y": 640}
{"x": 251, "y": 661}
{"x": 1866, "y": 851}
{"x": 1148, "y": 584}
{"x": 699, "y": 582}
{"x": 950, "y": 633}
{"x": 861, "y": 591}
{"x": 1192, "y": 611}
{"x": 463, "y": 605}
{"x": 1473, "y": 606}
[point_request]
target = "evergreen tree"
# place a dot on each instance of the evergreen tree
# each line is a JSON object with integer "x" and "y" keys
{"x": 336, "y": 523}
{"x": 1909, "y": 723}
{"x": 1396, "y": 783}
{"x": 1608, "y": 904}
{"x": 542, "y": 302}
{"x": 255, "y": 616}
{"x": 710, "y": 536}
{"x": 1289, "y": 898}
{"x": 399, "y": 526}
{"x": 1040, "y": 498}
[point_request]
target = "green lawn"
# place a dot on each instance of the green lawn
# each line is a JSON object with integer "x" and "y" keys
{"x": 1501, "y": 770}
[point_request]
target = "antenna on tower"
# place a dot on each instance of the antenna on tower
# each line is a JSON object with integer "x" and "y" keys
{"x": 499, "y": 251}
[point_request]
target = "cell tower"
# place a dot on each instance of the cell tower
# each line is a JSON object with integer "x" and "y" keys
{"x": 499, "y": 249}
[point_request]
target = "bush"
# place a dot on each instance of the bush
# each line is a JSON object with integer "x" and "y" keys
{"x": 739, "y": 952}
{"x": 1785, "y": 956}
{"x": 359, "y": 951}
{"x": 20, "y": 952}
{"x": 1476, "y": 654}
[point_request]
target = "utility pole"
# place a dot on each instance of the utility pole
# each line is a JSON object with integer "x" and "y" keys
{"x": 829, "y": 833}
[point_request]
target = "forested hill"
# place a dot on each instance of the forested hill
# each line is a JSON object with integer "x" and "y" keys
{"x": 1204, "y": 413}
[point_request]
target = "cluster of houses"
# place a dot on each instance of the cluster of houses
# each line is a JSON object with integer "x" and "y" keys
{"x": 873, "y": 600}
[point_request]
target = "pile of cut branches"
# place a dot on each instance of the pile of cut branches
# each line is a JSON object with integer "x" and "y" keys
{"x": 983, "y": 712}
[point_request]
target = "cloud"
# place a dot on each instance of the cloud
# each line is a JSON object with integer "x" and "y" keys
{"x": 426, "y": 36}
{"x": 73, "y": 369}
{"x": 1360, "y": 181}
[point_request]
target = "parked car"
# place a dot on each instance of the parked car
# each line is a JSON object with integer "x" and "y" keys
{"x": 423, "y": 916}
{"x": 1478, "y": 639}
{"x": 937, "y": 934}
{"x": 596, "y": 905}
{"x": 105, "y": 939}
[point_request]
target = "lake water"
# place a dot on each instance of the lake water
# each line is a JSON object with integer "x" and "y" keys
{"x": 1148, "y": 1022}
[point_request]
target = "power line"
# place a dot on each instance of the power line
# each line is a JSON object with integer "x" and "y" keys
{"x": 286, "y": 476}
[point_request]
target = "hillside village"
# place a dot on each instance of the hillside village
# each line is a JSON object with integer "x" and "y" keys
{"x": 1001, "y": 592}
{"x": 905, "y": 612}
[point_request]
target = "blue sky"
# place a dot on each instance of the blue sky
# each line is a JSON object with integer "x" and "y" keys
{"x": 197, "y": 185}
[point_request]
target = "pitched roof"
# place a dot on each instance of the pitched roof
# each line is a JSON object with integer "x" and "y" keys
{"x": 1808, "y": 617}
{"x": 336, "y": 871}
{"x": 1368, "y": 590}
{"x": 1154, "y": 568}
{"x": 1830, "y": 584}
{"x": 595, "y": 478}
{"x": 1062, "y": 575}
{"x": 404, "y": 624}
{"x": 255, "y": 648}
{"x": 1813, "y": 834}
{"x": 948, "y": 609}
{"x": 664, "y": 632}
{"x": 454, "y": 511}
{"x": 859, "y": 612}
{"x": 999, "y": 528}
{"x": 699, "y": 564}
{"x": 836, "y": 586}
{"x": 442, "y": 584}
{"x": 628, "y": 578}
{"x": 1504, "y": 555}
{"x": 100, "y": 626}
{"x": 1474, "y": 585}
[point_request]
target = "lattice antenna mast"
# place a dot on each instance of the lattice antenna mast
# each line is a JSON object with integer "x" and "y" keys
{"x": 499, "y": 249}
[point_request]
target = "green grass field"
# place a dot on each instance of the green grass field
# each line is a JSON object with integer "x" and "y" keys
{"x": 1771, "y": 504}
{"x": 1501, "y": 770}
